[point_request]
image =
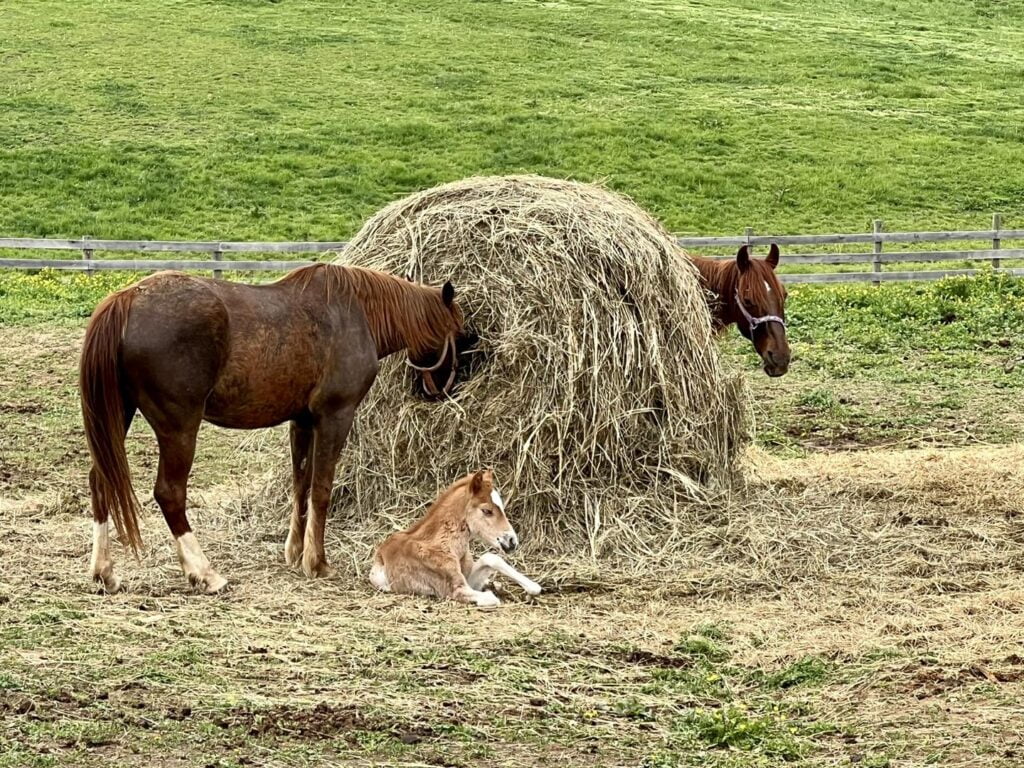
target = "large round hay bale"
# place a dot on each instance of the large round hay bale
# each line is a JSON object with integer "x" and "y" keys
{"x": 599, "y": 397}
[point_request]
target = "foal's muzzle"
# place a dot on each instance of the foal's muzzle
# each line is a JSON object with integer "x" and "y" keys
{"x": 508, "y": 542}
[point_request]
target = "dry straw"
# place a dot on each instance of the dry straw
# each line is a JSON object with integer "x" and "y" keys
{"x": 597, "y": 395}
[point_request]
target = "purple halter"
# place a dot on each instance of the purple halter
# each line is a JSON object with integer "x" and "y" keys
{"x": 752, "y": 321}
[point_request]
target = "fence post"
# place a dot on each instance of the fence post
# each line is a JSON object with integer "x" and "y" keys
{"x": 876, "y": 262}
{"x": 997, "y": 224}
{"x": 87, "y": 254}
{"x": 748, "y": 232}
{"x": 217, "y": 256}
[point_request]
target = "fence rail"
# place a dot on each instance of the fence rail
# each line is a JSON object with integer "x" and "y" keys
{"x": 877, "y": 257}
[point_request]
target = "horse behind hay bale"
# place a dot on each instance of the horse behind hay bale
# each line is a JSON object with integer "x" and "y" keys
{"x": 747, "y": 293}
{"x": 597, "y": 391}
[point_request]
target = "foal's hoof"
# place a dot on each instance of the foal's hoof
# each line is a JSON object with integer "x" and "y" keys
{"x": 532, "y": 588}
{"x": 488, "y": 600}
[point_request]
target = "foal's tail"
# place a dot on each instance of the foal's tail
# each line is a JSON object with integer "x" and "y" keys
{"x": 104, "y": 413}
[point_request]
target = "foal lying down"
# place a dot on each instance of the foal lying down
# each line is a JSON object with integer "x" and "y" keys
{"x": 433, "y": 558}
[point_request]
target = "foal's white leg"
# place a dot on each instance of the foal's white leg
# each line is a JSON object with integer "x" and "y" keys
{"x": 101, "y": 567}
{"x": 490, "y": 563}
{"x": 379, "y": 578}
{"x": 195, "y": 565}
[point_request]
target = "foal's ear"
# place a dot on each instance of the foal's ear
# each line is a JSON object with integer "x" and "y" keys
{"x": 743, "y": 258}
{"x": 448, "y": 293}
{"x": 477, "y": 483}
{"x": 773, "y": 256}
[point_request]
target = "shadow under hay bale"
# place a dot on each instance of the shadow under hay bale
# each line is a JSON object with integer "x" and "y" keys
{"x": 596, "y": 393}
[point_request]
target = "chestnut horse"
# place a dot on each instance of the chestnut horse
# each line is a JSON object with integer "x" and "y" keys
{"x": 305, "y": 349}
{"x": 432, "y": 556}
{"x": 747, "y": 292}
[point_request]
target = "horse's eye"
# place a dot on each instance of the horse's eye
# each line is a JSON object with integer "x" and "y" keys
{"x": 487, "y": 512}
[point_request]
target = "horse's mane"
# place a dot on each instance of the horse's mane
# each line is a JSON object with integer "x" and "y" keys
{"x": 400, "y": 313}
{"x": 726, "y": 279}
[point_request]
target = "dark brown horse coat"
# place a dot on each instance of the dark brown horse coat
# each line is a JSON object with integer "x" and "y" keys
{"x": 183, "y": 349}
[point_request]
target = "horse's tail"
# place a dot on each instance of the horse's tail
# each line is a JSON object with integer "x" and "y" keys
{"x": 104, "y": 413}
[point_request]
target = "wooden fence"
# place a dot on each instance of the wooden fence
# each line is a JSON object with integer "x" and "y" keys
{"x": 876, "y": 257}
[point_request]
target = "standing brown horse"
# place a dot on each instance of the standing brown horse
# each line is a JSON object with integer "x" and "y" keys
{"x": 304, "y": 349}
{"x": 748, "y": 293}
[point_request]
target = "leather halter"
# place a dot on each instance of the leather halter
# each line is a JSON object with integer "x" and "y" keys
{"x": 427, "y": 371}
{"x": 752, "y": 321}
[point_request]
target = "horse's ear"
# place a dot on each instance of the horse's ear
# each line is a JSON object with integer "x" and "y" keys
{"x": 743, "y": 258}
{"x": 477, "y": 483}
{"x": 489, "y": 477}
{"x": 773, "y": 256}
{"x": 448, "y": 293}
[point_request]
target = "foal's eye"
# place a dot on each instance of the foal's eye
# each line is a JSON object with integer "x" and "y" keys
{"x": 487, "y": 512}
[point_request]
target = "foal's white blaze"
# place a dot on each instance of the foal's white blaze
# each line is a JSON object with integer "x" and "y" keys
{"x": 767, "y": 287}
{"x": 195, "y": 565}
{"x": 496, "y": 499}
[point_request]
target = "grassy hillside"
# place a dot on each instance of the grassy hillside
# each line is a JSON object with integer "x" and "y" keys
{"x": 258, "y": 119}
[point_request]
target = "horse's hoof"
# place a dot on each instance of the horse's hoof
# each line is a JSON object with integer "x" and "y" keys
{"x": 293, "y": 549}
{"x": 108, "y": 585}
{"x": 317, "y": 569}
{"x": 532, "y": 588}
{"x": 211, "y": 582}
{"x": 215, "y": 584}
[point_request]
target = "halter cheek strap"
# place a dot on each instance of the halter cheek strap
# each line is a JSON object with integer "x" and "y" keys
{"x": 752, "y": 321}
{"x": 428, "y": 378}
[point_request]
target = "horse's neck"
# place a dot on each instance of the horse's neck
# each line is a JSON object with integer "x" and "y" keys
{"x": 718, "y": 278}
{"x": 398, "y": 312}
{"x": 445, "y": 524}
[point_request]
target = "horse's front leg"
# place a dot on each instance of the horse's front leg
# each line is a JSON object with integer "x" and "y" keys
{"x": 329, "y": 437}
{"x": 302, "y": 476}
{"x": 491, "y": 563}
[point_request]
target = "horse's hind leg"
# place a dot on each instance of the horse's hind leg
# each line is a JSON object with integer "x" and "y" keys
{"x": 101, "y": 565}
{"x": 177, "y": 450}
{"x": 302, "y": 475}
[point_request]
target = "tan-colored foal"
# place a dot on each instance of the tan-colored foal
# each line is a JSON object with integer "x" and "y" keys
{"x": 432, "y": 557}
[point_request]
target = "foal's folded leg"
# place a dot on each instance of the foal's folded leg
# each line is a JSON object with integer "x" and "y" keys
{"x": 491, "y": 563}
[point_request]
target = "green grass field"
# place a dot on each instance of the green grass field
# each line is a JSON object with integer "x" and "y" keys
{"x": 858, "y": 604}
{"x": 296, "y": 120}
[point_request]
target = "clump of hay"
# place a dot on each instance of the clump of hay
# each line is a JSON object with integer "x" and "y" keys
{"x": 597, "y": 393}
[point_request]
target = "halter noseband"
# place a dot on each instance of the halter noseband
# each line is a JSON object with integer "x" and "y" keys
{"x": 752, "y": 321}
{"x": 427, "y": 371}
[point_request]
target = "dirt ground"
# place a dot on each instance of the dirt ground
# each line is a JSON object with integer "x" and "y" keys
{"x": 852, "y": 608}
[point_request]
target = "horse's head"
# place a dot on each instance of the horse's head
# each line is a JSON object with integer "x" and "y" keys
{"x": 760, "y": 308}
{"x": 485, "y": 513}
{"x": 437, "y": 369}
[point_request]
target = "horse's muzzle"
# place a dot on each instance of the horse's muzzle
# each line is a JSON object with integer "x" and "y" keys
{"x": 508, "y": 542}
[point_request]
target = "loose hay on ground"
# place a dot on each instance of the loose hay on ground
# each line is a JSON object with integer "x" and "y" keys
{"x": 597, "y": 391}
